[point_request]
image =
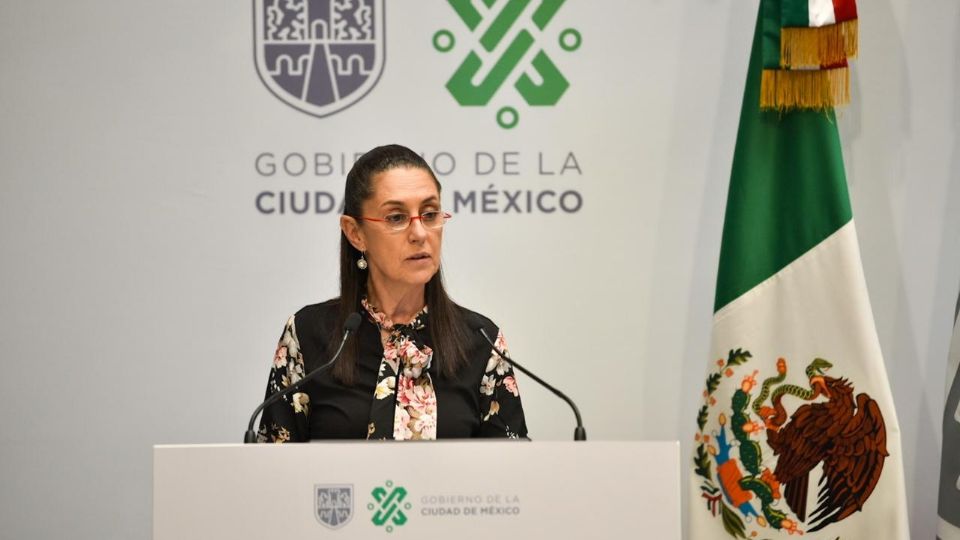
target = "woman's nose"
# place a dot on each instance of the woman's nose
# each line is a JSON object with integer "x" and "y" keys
{"x": 416, "y": 230}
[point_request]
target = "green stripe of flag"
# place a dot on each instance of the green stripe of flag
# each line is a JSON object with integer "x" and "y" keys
{"x": 788, "y": 190}
{"x": 795, "y": 13}
{"x": 770, "y": 50}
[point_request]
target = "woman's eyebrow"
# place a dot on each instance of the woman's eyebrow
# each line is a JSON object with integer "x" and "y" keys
{"x": 430, "y": 199}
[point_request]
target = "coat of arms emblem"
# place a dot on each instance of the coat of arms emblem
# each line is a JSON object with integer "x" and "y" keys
{"x": 333, "y": 504}
{"x": 776, "y": 456}
{"x": 319, "y": 56}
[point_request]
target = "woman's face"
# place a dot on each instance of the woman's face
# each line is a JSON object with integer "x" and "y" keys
{"x": 398, "y": 259}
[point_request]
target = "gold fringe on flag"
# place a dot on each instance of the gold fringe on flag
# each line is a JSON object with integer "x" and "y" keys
{"x": 815, "y": 47}
{"x": 783, "y": 90}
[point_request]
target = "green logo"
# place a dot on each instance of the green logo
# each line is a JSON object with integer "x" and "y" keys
{"x": 490, "y": 29}
{"x": 389, "y": 501}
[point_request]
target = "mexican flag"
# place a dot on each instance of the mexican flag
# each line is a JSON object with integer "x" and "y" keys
{"x": 796, "y": 432}
{"x": 817, "y": 32}
{"x": 805, "y": 48}
{"x": 948, "y": 506}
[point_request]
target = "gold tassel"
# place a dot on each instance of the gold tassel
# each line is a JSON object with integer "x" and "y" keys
{"x": 822, "y": 46}
{"x": 819, "y": 89}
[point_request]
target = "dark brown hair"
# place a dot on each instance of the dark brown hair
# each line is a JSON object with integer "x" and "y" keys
{"x": 446, "y": 325}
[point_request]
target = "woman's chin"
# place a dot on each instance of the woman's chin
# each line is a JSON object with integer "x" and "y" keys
{"x": 422, "y": 277}
{"x": 416, "y": 278}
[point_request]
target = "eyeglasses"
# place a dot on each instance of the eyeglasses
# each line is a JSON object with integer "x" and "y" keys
{"x": 399, "y": 222}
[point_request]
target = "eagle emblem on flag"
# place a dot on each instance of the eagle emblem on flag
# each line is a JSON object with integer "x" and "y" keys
{"x": 773, "y": 449}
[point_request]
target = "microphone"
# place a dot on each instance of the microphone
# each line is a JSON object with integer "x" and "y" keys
{"x": 579, "y": 434}
{"x": 350, "y": 326}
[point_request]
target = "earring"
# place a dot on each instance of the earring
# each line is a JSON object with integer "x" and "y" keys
{"x": 361, "y": 262}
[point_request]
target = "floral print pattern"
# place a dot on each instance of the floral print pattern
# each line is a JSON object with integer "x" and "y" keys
{"x": 287, "y": 369}
{"x": 498, "y": 385}
{"x": 404, "y": 400}
{"x": 406, "y": 409}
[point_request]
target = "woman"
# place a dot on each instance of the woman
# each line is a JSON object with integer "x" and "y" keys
{"x": 451, "y": 384}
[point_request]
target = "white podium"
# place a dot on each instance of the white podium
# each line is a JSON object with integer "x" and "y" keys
{"x": 454, "y": 490}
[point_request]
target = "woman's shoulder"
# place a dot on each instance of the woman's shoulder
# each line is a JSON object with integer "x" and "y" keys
{"x": 321, "y": 316}
{"x": 475, "y": 321}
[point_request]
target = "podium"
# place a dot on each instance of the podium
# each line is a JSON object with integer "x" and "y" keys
{"x": 447, "y": 490}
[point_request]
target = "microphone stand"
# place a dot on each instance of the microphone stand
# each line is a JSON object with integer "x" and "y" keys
{"x": 579, "y": 434}
{"x": 352, "y": 323}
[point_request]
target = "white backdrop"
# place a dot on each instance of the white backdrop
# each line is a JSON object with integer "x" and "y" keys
{"x": 142, "y": 292}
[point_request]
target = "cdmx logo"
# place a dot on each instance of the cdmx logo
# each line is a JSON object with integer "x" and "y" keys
{"x": 319, "y": 56}
{"x": 389, "y": 508}
{"x": 499, "y": 63}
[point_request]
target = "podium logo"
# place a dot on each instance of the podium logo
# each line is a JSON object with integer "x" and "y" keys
{"x": 501, "y": 60}
{"x": 333, "y": 504}
{"x": 319, "y": 57}
{"x": 388, "y": 509}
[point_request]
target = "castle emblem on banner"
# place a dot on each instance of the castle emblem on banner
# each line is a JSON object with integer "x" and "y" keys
{"x": 319, "y": 56}
{"x": 776, "y": 458}
{"x": 333, "y": 504}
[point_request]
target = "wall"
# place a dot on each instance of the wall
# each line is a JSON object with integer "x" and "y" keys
{"x": 143, "y": 290}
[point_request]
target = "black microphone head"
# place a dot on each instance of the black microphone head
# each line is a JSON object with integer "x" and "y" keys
{"x": 474, "y": 322}
{"x": 476, "y": 325}
{"x": 352, "y": 322}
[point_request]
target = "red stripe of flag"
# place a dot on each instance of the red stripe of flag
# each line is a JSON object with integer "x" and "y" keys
{"x": 845, "y": 10}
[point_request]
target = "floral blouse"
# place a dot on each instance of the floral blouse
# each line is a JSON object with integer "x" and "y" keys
{"x": 399, "y": 393}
